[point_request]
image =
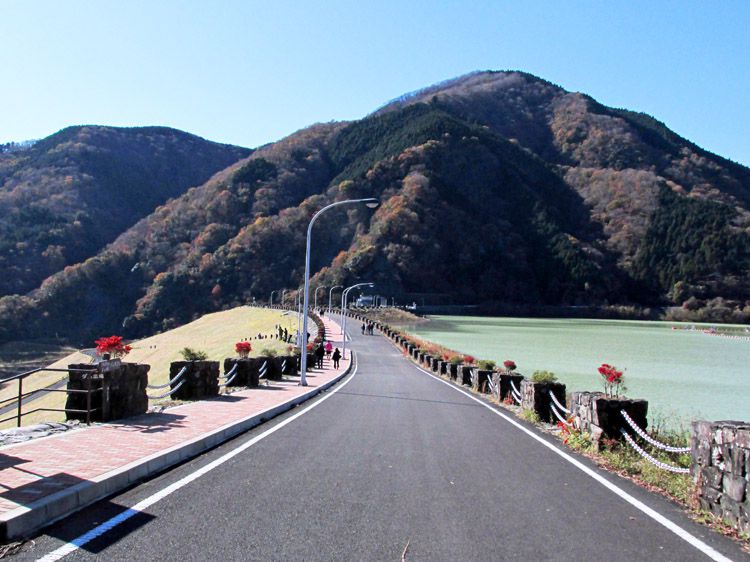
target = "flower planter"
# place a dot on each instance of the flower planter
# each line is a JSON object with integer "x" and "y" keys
{"x": 480, "y": 380}
{"x": 600, "y": 415}
{"x": 201, "y": 379}
{"x": 504, "y": 380}
{"x": 122, "y": 395}
{"x": 443, "y": 367}
{"x": 464, "y": 374}
{"x": 535, "y": 396}
{"x": 435, "y": 367}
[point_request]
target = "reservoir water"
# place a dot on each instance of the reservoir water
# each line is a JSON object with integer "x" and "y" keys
{"x": 684, "y": 374}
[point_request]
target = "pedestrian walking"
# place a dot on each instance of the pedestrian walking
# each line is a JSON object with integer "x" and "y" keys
{"x": 319, "y": 354}
{"x": 363, "y": 328}
{"x": 329, "y": 349}
{"x": 336, "y": 358}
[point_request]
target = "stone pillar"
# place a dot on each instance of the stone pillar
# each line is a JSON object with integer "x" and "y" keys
{"x": 504, "y": 380}
{"x": 535, "y": 396}
{"x": 721, "y": 470}
{"x": 244, "y": 368}
{"x": 120, "y": 390}
{"x": 201, "y": 379}
{"x": 599, "y": 415}
{"x": 479, "y": 380}
{"x": 453, "y": 370}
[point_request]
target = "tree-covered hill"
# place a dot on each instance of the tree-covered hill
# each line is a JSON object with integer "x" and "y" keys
{"x": 496, "y": 189}
{"x": 65, "y": 197}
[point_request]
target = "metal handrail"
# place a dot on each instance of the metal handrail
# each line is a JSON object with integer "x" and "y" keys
{"x": 19, "y": 397}
{"x": 54, "y": 370}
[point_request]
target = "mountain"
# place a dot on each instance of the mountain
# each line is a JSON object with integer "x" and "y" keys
{"x": 496, "y": 188}
{"x": 62, "y": 199}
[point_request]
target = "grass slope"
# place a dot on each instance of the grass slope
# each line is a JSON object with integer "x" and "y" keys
{"x": 214, "y": 333}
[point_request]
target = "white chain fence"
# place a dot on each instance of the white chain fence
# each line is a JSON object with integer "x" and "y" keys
{"x": 652, "y": 460}
{"x": 646, "y": 437}
{"x": 230, "y": 376}
{"x": 168, "y": 393}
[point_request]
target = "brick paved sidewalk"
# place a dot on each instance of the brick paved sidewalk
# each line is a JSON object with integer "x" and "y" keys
{"x": 41, "y": 480}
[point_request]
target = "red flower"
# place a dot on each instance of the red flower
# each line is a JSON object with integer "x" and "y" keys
{"x": 469, "y": 359}
{"x": 112, "y": 345}
{"x": 243, "y": 348}
{"x": 509, "y": 365}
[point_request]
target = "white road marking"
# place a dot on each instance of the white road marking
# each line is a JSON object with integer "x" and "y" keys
{"x": 99, "y": 530}
{"x": 709, "y": 551}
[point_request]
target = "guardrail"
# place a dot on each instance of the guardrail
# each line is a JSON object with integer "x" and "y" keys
{"x": 21, "y": 395}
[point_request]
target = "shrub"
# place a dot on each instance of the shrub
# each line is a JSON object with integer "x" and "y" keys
{"x": 543, "y": 376}
{"x": 529, "y": 415}
{"x": 485, "y": 365}
{"x": 266, "y": 352}
{"x": 455, "y": 360}
{"x": 190, "y": 354}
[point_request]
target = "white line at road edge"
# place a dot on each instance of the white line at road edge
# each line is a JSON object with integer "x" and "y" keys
{"x": 656, "y": 516}
{"x": 98, "y": 531}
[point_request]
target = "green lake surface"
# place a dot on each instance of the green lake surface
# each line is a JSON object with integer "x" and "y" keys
{"x": 684, "y": 374}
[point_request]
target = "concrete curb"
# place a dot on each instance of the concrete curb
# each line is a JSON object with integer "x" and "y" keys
{"x": 23, "y": 521}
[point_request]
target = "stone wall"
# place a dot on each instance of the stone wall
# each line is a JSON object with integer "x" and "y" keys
{"x": 721, "y": 469}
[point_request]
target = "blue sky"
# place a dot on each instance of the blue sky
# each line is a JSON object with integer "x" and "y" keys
{"x": 249, "y": 73}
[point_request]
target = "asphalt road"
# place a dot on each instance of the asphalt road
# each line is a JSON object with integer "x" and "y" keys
{"x": 393, "y": 464}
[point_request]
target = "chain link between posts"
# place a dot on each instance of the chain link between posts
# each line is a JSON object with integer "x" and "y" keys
{"x": 646, "y": 437}
{"x": 652, "y": 460}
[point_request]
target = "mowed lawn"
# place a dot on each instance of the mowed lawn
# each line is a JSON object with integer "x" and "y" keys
{"x": 214, "y": 333}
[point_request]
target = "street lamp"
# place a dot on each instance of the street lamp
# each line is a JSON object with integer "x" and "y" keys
{"x": 315, "y": 306}
{"x": 344, "y": 296}
{"x": 330, "y": 295}
{"x": 302, "y": 338}
{"x": 270, "y": 301}
{"x": 371, "y": 203}
{"x": 283, "y": 294}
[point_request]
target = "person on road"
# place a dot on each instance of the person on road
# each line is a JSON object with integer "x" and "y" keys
{"x": 336, "y": 358}
{"x": 363, "y": 328}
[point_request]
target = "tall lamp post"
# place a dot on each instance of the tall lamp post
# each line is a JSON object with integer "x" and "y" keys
{"x": 330, "y": 295}
{"x": 315, "y": 306}
{"x": 371, "y": 202}
{"x": 283, "y": 294}
{"x": 302, "y": 337}
{"x": 344, "y": 296}
{"x": 270, "y": 301}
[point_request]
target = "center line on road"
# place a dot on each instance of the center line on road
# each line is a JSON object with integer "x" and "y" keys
{"x": 694, "y": 541}
{"x": 110, "y": 524}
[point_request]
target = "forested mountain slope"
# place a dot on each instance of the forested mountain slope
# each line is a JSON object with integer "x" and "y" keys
{"x": 68, "y": 195}
{"x": 495, "y": 188}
